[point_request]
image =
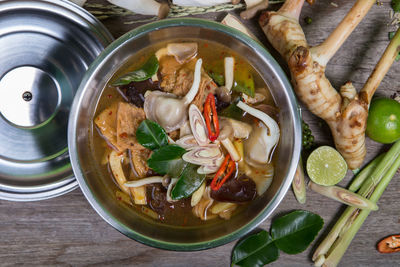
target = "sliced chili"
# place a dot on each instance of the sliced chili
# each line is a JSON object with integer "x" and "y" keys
{"x": 389, "y": 244}
{"x": 225, "y": 171}
{"x": 210, "y": 114}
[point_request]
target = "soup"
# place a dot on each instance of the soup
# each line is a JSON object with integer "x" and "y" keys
{"x": 187, "y": 131}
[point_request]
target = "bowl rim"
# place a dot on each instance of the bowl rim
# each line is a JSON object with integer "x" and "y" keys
{"x": 124, "y": 229}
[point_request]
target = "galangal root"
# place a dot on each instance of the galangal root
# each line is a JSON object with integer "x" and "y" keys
{"x": 346, "y": 111}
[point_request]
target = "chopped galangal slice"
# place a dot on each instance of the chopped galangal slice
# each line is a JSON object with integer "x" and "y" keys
{"x": 106, "y": 123}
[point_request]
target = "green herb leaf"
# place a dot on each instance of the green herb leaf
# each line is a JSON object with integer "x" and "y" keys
{"x": 294, "y": 232}
{"x": 396, "y": 5}
{"x": 188, "y": 183}
{"x": 244, "y": 82}
{"x": 232, "y": 111}
{"x": 151, "y": 135}
{"x": 143, "y": 73}
{"x": 217, "y": 78}
{"x": 167, "y": 160}
{"x": 255, "y": 250}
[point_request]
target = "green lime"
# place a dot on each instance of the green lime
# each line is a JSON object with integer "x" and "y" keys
{"x": 325, "y": 166}
{"x": 383, "y": 124}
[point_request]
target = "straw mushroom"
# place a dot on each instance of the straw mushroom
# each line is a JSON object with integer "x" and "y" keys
{"x": 263, "y": 139}
{"x": 144, "y": 7}
{"x": 167, "y": 109}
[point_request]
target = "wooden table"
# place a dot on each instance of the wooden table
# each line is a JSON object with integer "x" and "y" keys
{"x": 67, "y": 231}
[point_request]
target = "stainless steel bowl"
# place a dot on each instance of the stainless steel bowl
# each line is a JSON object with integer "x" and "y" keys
{"x": 98, "y": 189}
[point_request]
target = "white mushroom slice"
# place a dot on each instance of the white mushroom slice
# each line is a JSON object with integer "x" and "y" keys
{"x": 168, "y": 110}
{"x": 187, "y": 142}
{"x": 203, "y": 155}
{"x": 117, "y": 171}
{"x": 185, "y": 130}
{"x": 222, "y": 206}
{"x": 229, "y": 66}
{"x": 262, "y": 178}
{"x": 144, "y": 7}
{"x": 202, "y": 3}
{"x": 240, "y": 129}
{"x": 170, "y": 186}
{"x": 144, "y": 181}
{"x": 231, "y": 149}
{"x": 262, "y": 141}
{"x": 258, "y": 97}
{"x": 182, "y": 52}
{"x": 197, "y": 195}
{"x": 198, "y": 125}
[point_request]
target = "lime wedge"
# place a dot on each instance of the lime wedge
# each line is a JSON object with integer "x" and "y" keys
{"x": 325, "y": 166}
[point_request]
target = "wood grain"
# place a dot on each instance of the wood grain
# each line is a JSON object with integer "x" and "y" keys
{"x": 66, "y": 231}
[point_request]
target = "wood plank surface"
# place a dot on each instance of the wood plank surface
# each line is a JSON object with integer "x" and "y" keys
{"x": 66, "y": 231}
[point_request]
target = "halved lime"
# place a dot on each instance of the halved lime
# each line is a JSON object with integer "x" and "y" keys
{"x": 325, "y": 166}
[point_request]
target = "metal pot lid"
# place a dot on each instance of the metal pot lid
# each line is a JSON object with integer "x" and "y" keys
{"x": 46, "y": 47}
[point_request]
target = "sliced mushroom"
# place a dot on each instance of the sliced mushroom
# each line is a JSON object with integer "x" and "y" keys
{"x": 240, "y": 129}
{"x": 182, "y": 52}
{"x": 201, "y": 209}
{"x": 144, "y": 181}
{"x": 229, "y": 66}
{"x": 262, "y": 141}
{"x": 258, "y": 97}
{"x": 197, "y": 195}
{"x": 170, "y": 186}
{"x": 144, "y": 7}
{"x": 262, "y": 177}
{"x": 167, "y": 109}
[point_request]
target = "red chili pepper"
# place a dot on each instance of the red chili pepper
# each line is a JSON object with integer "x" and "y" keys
{"x": 210, "y": 113}
{"x": 389, "y": 244}
{"x": 228, "y": 166}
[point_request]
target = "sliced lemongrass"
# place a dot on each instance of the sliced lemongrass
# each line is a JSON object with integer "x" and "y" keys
{"x": 198, "y": 125}
{"x": 344, "y": 196}
{"x": 227, "y": 143}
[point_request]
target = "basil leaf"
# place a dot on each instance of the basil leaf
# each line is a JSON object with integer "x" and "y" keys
{"x": 167, "y": 160}
{"x": 232, "y": 111}
{"x": 244, "y": 82}
{"x": 188, "y": 183}
{"x": 294, "y": 232}
{"x": 246, "y": 89}
{"x": 143, "y": 73}
{"x": 151, "y": 135}
{"x": 255, "y": 250}
{"x": 218, "y": 78}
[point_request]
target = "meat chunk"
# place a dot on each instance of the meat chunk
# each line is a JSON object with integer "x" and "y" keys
{"x": 106, "y": 122}
{"x": 178, "y": 79}
{"x": 128, "y": 119}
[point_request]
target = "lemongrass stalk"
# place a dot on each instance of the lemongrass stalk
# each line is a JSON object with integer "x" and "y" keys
{"x": 360, "y": 178}
{"x": 364, "y": 191}
{"x": 298, "y": 184}
{"x": 381, "y": 169}
{"x": 344, "y": 196}
{"x": 336, "y": 254}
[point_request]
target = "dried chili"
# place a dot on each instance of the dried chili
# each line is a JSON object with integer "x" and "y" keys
{"x": 389, "y": 244}
{"x": 210, "y": 114}
{"x": 225, "y": 171}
